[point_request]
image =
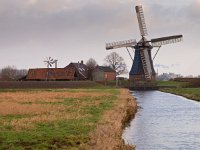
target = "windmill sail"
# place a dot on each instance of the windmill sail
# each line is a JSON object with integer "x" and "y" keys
{"x": 141, "y": 20}
{"x": 166, "y": 40}
{"x": 114, "y": 45}
{"x": 146, "y": 63}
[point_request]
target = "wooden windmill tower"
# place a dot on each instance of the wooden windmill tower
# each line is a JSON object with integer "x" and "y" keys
{"x": 142, "y": 68}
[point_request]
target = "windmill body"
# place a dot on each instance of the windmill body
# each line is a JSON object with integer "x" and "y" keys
{"x": 142, "y": 67}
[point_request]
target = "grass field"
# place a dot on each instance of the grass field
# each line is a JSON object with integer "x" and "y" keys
{"x": 51, "y": 119}
{"x": 171, "y": 83}
{"x": 191, "y": 93}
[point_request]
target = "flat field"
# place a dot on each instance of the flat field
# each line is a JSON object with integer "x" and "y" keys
{"x": 51, "y": 119}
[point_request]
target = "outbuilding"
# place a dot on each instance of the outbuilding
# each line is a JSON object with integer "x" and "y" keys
{"x": 43, "y": 74}
{"x": 81, "y": 70}
{"x": 103, "y": 73}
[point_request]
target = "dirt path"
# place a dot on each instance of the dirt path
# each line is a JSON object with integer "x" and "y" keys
{"x": 108, "y": 135}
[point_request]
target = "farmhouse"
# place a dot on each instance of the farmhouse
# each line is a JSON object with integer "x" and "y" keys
{"x": 102, "y": 73}
{"x": 74, "y": 71}
{"x": 81, "y": 71}
{"x": 50, "y": 74}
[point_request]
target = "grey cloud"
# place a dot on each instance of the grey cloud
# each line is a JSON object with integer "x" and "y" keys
{"x": 166, "y": 66}
{"x": 169, "y": 14}
{"x": 34, "y": 24}
{"x": 65, "y": 28}
{"x": 28, "y": 29}
{"x": 161, "y": 66}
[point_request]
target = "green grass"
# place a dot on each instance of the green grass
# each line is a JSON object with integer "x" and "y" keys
{"x": 56, "y": 135}
{"x": 185, "y": 89}
{"x": 11, "y": 117}
{"x": 91, "y": 89}
{"x": 191, "y": 93}
{"x": 171, "y": 83}
{"x": 63, "y": 134}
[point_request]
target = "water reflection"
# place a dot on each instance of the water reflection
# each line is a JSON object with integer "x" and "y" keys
{"x": 165, "y": 121}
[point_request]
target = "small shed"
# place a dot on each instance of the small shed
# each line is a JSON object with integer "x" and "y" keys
{"x": 103, "y": 73}
{"x": 42, "y": 74}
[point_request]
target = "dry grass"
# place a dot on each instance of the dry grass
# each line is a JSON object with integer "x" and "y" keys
{"x": 28, "y": 123}
{"x": 11, "y": 108}
{"x": 43, "y": 96}
{"x": 40, "y": 106}
{"x": 109, "y": 131}
{"x": 63, "y": 119}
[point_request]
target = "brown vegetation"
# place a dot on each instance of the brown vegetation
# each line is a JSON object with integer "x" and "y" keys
{"x": 46, "y": 84}
{"x": 12, "y": 108}
{"x": 36, "y": 104}
{"x": 86, "y": 118}
{"x": 108, "y": 134}
{"x": 44, "y": 96}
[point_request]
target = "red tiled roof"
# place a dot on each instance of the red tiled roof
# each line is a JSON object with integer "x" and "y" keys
{"x": 51, "y": 74}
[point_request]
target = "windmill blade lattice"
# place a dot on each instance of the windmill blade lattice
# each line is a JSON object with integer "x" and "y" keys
{"x": 166, "y": 40}
{"x": 141, "y": 20}
{"x": 127, "y": 43}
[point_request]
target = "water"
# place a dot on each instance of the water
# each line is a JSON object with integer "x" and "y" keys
{"x": 164, "y": 122}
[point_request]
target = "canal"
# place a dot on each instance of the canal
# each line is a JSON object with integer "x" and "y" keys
{"x": 164, "y": 121}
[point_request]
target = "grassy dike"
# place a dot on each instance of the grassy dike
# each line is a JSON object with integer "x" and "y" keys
{"x": 190, "y": 93}
{"x": 184, "y": 89}
{"x": 64, "y": 118}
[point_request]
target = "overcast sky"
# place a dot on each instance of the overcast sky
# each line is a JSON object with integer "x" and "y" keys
{"x": 75, "y": 30}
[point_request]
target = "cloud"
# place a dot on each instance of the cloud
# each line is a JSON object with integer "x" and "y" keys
{"x": 44, "y": 25}
{"x": 65, "y": 28}
{"x": 161, "y": 66}
{"x": 56, "y": 6}
{"x": 39, "y": 18}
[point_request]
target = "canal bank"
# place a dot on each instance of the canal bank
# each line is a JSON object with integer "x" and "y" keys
{"x": 164, "y": 121}
{"x": 190, "y": 93}
{"x": 108, "y": 134}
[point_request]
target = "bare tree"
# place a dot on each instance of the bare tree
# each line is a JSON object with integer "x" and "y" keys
{"x": 91, "y": 63}
{"x": 8, "y": 73}
{"x": 116, "y": 62}
{"x": 12, "y": 73}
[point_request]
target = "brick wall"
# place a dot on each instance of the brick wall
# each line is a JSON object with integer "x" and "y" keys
{"x": 109, "y": 76}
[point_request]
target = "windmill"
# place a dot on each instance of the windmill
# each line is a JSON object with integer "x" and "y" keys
{"x": 50, "y": 61}
{"x": 142, "y": 68}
